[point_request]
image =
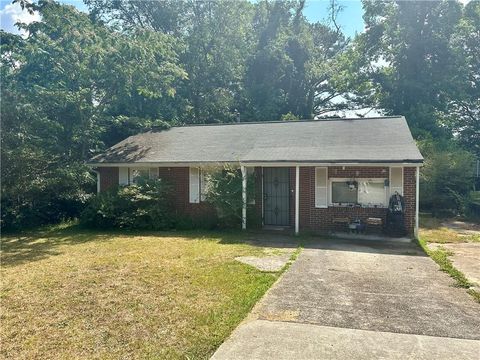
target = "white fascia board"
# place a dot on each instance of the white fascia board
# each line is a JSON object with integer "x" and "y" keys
{"x": 255, "y": 164}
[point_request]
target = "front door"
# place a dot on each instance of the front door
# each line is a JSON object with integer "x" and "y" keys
{"x": 276, "y": 196}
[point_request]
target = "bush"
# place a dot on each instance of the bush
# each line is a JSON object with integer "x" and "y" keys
{"x": 145, "y": 205}
{"x": 39, "y": 198}
{"x": 224, "y": 192}
{"x": 446, "y": 178}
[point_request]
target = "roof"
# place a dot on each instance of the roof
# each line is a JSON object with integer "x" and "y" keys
{"x": 362, "y": 140}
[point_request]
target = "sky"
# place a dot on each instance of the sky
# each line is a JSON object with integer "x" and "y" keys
{"x": 316, "y": 10}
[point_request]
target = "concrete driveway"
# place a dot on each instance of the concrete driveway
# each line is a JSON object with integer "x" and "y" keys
{"x": 362, "y": 300}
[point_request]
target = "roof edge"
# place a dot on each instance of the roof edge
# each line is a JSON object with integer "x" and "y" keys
{"x": 292, "y": 121}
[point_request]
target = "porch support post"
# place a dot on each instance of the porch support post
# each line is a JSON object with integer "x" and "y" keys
{"x": 244, "y": 197}
{"x": 417, "y": 199}
{"x": 297, "y": 199}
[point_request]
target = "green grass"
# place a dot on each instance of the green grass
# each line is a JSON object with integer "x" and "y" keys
{"x": 72, "y": 293}
{"x": 431, "y": 231}
{"x": 441, "y": 256}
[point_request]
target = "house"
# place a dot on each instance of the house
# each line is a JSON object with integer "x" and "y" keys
{"x": 308, "y": 174}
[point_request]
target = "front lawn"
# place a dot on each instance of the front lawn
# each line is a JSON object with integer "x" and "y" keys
{"x": 434, "y": 230}
{"x": 70, "y": 293}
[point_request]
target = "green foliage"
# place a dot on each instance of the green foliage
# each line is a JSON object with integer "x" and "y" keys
{"x": 446, "y": 177}
{"x": 42, "y": 194}
{"x": 224, "y": 192}
{"x": 145, "y": 205}
{"x": 409, "y": 59}
{"x": 79, "y": 83}
{"x": 463, "y": 112}
{"x": 289, "y": 117}
{"x": 65, "y": 90}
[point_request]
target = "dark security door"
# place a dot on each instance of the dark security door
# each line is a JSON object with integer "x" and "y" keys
{"x": 276, "y": 196}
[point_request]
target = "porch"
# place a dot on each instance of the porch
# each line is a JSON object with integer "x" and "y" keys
{"x": 330, "y": 198}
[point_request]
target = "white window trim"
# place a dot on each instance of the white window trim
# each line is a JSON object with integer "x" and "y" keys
{"x": 150, "y": 173}
{"x": 321, "y": 187}
{"x": 377, "y": 180}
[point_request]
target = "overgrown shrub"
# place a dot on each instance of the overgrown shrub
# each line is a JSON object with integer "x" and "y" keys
{"x": 145, "y": 205}
{"x": 224, "y": 191}
{"x": 446, "y": 178}
{"x": 46, "y": 196}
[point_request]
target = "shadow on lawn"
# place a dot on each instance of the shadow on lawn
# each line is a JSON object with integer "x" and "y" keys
{"x": 34, "y": 245}
{"x": 30, "y": 246}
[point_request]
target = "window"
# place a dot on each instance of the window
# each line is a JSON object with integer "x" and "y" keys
{"x": 137, "y": 174}
{"x": 321, "y": 187}
{"x": 131, "y": 175}
{"x": 343, "y": 193}
{"x": 372, "y": 192}
{"x": 396, "y": 180}
{"x": 364, "y": 192}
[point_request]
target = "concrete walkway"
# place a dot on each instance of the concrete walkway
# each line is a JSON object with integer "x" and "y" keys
{"x": 360, "y": 300}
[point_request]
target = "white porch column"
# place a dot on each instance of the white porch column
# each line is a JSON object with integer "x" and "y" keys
{"x": 244, "y": 197}
{"x": 417, "y": 199}
{"x": 98, "y": 180}
{"x": 297, "y": 199}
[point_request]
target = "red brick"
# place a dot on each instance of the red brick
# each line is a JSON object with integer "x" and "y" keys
{"x": 310, "y": 217}
{"x": 108, "y": 177}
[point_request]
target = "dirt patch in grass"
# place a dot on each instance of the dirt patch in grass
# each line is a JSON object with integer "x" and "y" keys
{"x": 70, "y": 293}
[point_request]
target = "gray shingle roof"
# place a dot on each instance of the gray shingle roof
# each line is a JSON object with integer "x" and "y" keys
{"x": 386, "y": 139}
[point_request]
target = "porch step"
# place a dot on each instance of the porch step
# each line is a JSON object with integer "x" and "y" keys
{"x": 350, "y": 236}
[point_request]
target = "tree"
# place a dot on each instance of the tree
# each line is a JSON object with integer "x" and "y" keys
{"x": 216, "y": 37}
{"x": 407, "y": 54}
{"x": 463, "y": 113}
{"x": 65, "y": 88}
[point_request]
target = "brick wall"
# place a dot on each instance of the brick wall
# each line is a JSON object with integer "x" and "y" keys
{"x": 357, "y": 172}
{"x": 320, "y": 219}
{"x": 108, "y": 177}
{"x": 178, "y": 178}
{"x": 311, "y": 218}
{"x": 409, "y": 193}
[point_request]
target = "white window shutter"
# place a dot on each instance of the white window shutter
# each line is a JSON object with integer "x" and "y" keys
{"x": 396, "y": 180}
{"x": 122, "y": 176}
{"x": 321, "y": 187}
{"x": 194, "y": 187}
